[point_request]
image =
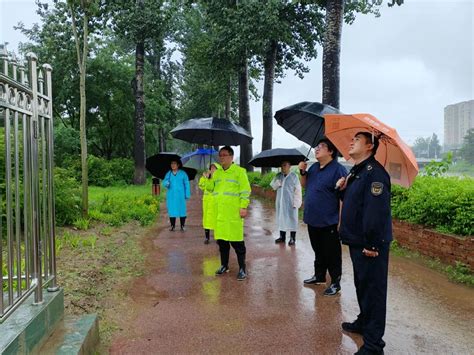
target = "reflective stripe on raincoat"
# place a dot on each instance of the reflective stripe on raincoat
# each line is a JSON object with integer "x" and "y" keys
{"x": 231, "y": 192}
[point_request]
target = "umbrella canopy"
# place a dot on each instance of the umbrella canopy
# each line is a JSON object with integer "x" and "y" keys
{"x": 274, "y": 157}
{"x": 190, "y": 172}
{"x": 200, "y": 158}
{"x": 393, "y": 153}
{"x": 159, "y": 164}
{"x": 305, "y": 120}
{"x": 211, "y": 131}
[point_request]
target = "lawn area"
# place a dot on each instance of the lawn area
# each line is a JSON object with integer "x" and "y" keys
{"x": 99, "y": 255}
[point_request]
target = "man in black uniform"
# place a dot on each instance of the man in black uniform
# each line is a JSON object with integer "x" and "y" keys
{"x": 366, "y": 227}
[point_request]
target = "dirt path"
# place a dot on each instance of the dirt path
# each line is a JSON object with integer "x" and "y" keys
{"x": 179, "y": 306}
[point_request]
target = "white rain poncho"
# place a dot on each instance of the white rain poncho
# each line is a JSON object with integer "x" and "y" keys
{"x": 288, "y": 200}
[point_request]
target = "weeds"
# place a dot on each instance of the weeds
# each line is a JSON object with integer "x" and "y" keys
{"x": 459, "y": 273}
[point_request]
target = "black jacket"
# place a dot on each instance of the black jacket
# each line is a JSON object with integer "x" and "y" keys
{"x": 366, "y": 219}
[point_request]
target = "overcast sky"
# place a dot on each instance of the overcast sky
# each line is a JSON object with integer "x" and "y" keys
{"x": 403, "y": 67}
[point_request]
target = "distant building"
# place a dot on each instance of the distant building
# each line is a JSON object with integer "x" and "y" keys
{"x": 458, "y": 119}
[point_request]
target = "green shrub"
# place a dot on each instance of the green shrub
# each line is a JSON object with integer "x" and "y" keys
{"x": 446, "y": 203}
{"x": 254, "y": 178}
{"x": 266, "y": 179}
{"x": 82, "y": 223}
{"x": 102, "y": 172}
{"x": 67, "y": 197}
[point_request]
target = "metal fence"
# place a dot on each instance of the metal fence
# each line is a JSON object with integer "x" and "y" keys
{"x": 27, "y": 223}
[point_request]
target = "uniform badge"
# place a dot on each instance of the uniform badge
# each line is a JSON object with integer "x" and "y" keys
{"x": 369, "y": 167}
{"x": 376, "y": 188}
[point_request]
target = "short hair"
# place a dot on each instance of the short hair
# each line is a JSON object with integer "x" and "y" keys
{"x": 370, "y": 139}
{"x": 228, "y": 148}
{"x": 331, "y": 147}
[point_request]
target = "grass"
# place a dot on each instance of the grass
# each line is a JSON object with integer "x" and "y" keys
{"x": 118, "y": 205}
{"x": 98, "y": 256}
{"x": 459, "y": 273}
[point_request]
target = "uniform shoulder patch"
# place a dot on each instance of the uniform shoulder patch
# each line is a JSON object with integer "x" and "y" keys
{"x": 376, "y": 189}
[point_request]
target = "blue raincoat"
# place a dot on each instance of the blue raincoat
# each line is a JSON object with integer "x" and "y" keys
{"x": 178, "y": 192}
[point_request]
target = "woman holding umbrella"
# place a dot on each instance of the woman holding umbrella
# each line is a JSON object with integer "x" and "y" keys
{"x": 288, "y": 201}
{"x": 177, "y": 183}
{"x": 208, "y": 203}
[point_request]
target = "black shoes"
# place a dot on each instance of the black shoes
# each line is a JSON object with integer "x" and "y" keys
{"x": 171, "y": 229}
{"x": 223, "y": 269}
{"x": 241, "y": 276}
{"x": 206, "y": 241}
{"x": 364, "y": 351}
{"x": 332, "y": 290}
{"x": 314, "y": 281}
{"x": 353, "y": 327}
{"x": 280, "y": 240}
{"x": 292, "y": 242}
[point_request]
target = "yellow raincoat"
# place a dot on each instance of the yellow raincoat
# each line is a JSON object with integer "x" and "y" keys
{"x": 231, "y": 191}
{"x": 208, "y": 206}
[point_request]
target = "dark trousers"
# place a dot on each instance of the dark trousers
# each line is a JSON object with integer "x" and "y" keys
{"x": 370, "y": 279}
{"x": 182, "y": 221}
{"x": 327, "y": 250}
{"x": 224, "y": 248}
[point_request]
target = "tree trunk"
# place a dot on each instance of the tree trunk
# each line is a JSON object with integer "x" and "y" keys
{"x": 244, "y": 114}
{"x": 228, "y": 101}
{"x": 267, "y": 106}
{"x": 332, "y": 52}
{"x": 83, "y": 138}
{"x": 82, "y": 60}
{"x": 139, "y": 142}
{"x": 162, "y": 141}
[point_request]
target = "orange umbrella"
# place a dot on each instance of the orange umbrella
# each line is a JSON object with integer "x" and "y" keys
{"x": 394, "y": 154}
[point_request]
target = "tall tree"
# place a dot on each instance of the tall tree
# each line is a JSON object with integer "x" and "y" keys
{"x": 86, "y": 8}
{"x": 332, "y": 52}
{"x": 338, "y": 11}
{"x": 467, "y": 150}
{"x": 244, "y": 113}
{"x": 292, "y": 32}
{"x": 142, "y": 23}
{"x": 139, "y": 123}
{"x": 434, "y": 148}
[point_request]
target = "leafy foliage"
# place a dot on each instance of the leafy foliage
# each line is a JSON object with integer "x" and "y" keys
{"x": 103, "y": 172}
{"x": 67, "y": 197}
{"x": 467, "y": 150}
{"x": 446, "y": 204}
{"x": 428, "y": 147}
{"x": 438, "y": 169}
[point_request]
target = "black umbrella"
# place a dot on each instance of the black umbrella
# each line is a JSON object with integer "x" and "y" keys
{"x": 305, "y": 120}
{"x": 211, "y": 131}
{"x": 190, "y": 172}
{"x": 159, "y": 164}
{"x": 274, "y": 157}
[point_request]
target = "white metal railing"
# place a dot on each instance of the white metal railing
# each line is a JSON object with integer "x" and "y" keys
{"x": 27, "y": 223}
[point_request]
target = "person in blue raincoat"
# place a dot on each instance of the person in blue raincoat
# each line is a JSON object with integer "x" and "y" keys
{"x": 177, "y": 183}
{"x": 288, "y": 201}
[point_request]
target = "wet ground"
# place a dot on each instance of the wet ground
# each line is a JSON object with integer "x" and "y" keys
{"x": 180, "y": 306}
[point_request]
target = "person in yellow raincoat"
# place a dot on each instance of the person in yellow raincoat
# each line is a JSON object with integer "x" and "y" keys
{"x": 208, "y": 205}
{"x": 231, "y": 190}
